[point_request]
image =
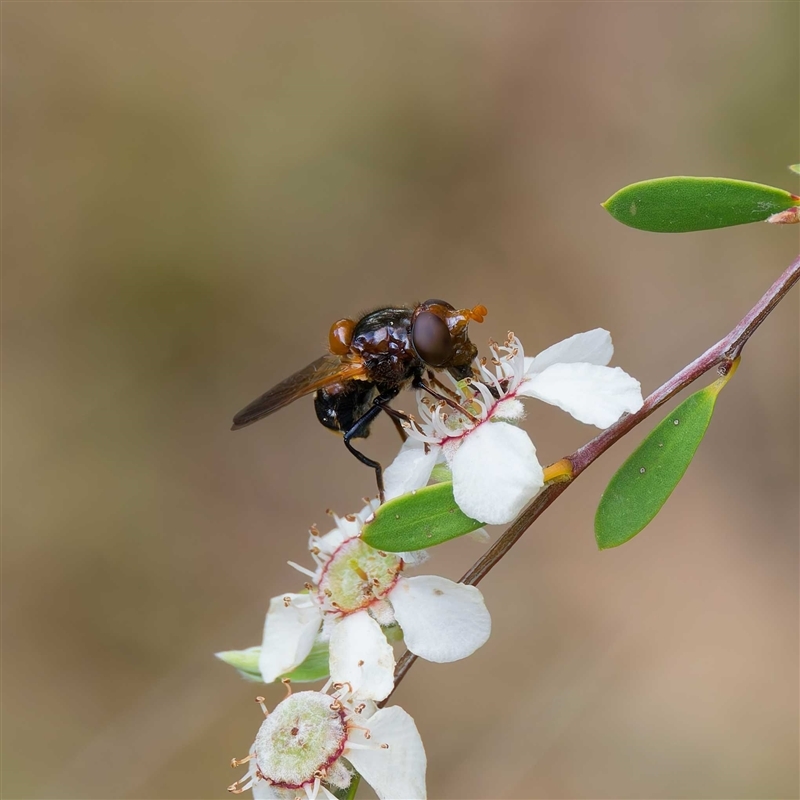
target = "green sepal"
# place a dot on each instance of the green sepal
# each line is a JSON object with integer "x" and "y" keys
{"x": 244, "y": 661}
{"x": 350, "y": 792}
{"x": 394, "y": 633}
{"x": 644, "y": 482}
{"x": 417, "y": 520}
{"x": 682, "y": 204}
{"x": 441, "y": 473}
{"x": 314, "y": 668}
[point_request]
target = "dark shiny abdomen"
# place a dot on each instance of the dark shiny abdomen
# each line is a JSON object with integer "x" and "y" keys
{"x": 339, "y": 406}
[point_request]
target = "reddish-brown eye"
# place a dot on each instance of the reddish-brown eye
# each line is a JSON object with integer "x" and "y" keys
{"x": 431, "y": 339}
{"x": 444, "y": 303}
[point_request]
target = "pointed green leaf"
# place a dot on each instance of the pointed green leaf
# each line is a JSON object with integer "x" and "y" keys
{"x": 418, "y": 520}
{"x": 681, "y": 204}
{"x": 795, "y": 168}
{"x": 314, "y": 668}
{"x": 645, "y": 481}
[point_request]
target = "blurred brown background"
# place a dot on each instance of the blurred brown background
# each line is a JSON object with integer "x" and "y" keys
{"x": 193, "y": 192}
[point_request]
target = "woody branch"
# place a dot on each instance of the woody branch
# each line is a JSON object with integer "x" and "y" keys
{"x": 720, "y": 355}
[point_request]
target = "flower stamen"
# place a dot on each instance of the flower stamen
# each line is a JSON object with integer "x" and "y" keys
{"x": 450, "y": 402}
{"x": 246, "y": 783}
{"x": 352, "y": 725}
{"x": 301, "y": 570}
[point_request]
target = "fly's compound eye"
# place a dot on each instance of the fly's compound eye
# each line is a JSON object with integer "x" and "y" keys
{"x": 443, "y": 303}
{"x": 431, "y": 339}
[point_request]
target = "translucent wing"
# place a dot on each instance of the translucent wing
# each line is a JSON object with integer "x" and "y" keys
{"x": 323, "y": 372}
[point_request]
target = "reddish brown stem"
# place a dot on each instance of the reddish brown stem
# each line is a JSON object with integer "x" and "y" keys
{"x": 720, "y": 355}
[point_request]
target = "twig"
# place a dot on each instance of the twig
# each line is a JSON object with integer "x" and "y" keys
{"x": 721, "y": 355}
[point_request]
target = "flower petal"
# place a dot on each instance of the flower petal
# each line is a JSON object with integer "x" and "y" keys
{"x": 361, "y": 656}
{"x": 292, "y": 623}
{"x": 509, "y": 409}
{"x": 398, "y": 771}
{"x": 592, "y": 394}
{"x": 442, "y": 621}
{"x": 346, "y": 528}
{"x": 330, "y": 541}
{"x": 413, "y": 558}
{"x": 264, "y": 790}
{"x": 368, "y": 707}
{"x": 410, "y": 469}
{"x": 592, "y": 347}
{"x": 495, "y": 473}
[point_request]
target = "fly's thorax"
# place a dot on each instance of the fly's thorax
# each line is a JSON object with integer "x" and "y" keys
{"x": 381, "y": 341}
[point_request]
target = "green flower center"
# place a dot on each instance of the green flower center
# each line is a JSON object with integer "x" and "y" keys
{"x": 300, "y": 739}
{"x": 356, "y": 576}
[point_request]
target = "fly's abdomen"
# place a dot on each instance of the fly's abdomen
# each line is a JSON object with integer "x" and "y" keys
{"x": 339, "y": 406}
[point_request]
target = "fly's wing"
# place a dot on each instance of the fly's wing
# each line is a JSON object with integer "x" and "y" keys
{"x": 323, "y": 372}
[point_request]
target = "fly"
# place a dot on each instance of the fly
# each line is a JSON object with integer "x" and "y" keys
{"x": 369, "y": 361}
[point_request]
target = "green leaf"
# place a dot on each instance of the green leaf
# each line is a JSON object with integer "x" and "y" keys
{"x": 645, "y": 481}
{"x": 681, "y": 204}
{"x": 795, "y": 168}
{"x": 314, "y": 668}
{"x": 418, "y": 520}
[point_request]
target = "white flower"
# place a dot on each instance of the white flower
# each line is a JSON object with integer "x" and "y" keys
{"x": 311, "y": 740}
{"x": 354, "y": 592}
{"x": 495, "y": 469}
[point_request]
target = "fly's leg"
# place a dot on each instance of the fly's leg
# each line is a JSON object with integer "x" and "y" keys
{"x": 420, "y": 384}
{"x": 397, "y": 418}
{"x": 434, "y": 381}
{"x": 398, "y": 426}
{"x": 360, "y": 427}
